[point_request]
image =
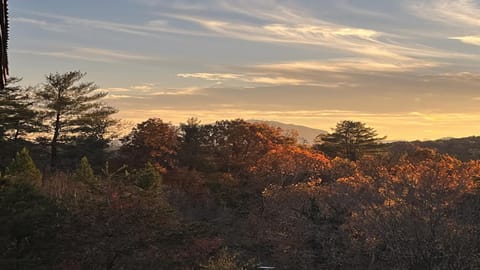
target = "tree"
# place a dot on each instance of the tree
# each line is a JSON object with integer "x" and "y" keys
{"x": 151, "y": 141}
{"x": 23, "y": 169}
{"x": 84, "y": 172}
{"x": 287, "y": 165}
{"x": 72, "y": 109}
{"x": 148, "y": 177}
{"x": 17, "y": 117}
{"x": 190, "y": 139}
{"x": 233, "y": 146}
{"x": 349, "y": 140}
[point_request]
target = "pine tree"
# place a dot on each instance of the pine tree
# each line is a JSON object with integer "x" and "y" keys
{"x": 349, "y": 140}
{"x": 84, "y": 172}
{"x": 148, "y": 177}
{"x": 23, "y": 169}
{"x": 72, "y": 109}
{"x": 17, "y": 116}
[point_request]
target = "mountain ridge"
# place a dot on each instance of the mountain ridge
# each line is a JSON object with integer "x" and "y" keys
{"x": 305, "y": 134}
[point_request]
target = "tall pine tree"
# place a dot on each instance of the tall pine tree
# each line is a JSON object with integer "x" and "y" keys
{"x": 350, "y": 140}
{"x": 73, "y": 109}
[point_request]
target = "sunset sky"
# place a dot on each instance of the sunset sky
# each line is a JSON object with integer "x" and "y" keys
{"x": 409, "y": 68}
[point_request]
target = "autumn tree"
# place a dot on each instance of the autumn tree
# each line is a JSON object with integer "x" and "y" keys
{"x": 151, "y": 141}
{"x": 411, "y": 215}
{"x": 73, "y": 109}
{"x": 286, "y": 165}
{"x": 235, "y": 145}
{"x": 350, "y": 140}
{"x": 302, "y": 228}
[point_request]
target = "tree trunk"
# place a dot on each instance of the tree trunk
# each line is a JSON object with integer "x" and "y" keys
{"x": 53, "y": 145}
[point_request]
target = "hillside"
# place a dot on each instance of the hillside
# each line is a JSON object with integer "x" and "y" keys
{"x": 462, "y": 148}
{"x": 306, "y": 134}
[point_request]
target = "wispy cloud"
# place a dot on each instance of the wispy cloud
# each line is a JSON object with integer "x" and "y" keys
{"x": 178, "y": 92}
{"x": 472, "y": 40}
{"x": 277, "y": 23}
{"x": 250, "y": 78}
{"x": 457, "y": 12}
{"x": 348, "y": 65}
{"x": 89, "y": 54}
{"x": 210, "y": 76}
{"x": 464, "y": 76}
{"x": 150, "y": 29}
{"x": 116, "y": 97}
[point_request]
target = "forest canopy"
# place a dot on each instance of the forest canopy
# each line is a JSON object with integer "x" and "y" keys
{"x": 226, "y": 195}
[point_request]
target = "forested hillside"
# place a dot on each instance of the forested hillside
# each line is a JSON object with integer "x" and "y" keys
{"x": 226, "y": 195}
{"x": 462, "y": 148}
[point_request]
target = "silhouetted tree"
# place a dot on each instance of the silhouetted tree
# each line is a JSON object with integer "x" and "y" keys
{"x": 191, "y": 135}
{"x": 17, "y": 117}
{"x": 349, "y": 140}
{"x": 72, "y": 109}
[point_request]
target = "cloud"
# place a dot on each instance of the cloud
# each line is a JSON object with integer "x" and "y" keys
{"x": 113, "y": 97}
{"x": 178, "y": 92}
{"x": 250, "y": 78}
{"x": 345, "y": 65}
{"x": 90, "y": 54}
{"x": 464, "y": 76}
{"x": 114, "y": 89}
{"x": 472, "y": 40}
{"x": 210, "y": 76}
{"x": 270, "y": 22}
{"x": 327, "y": 73}
{"x": 276, "y": 23}
{"x": 149, "y": 29}
{"x": 277, "y": 81}
{"x": 457, "y": 12}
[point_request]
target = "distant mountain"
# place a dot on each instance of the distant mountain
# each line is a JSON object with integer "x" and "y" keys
{"x": 306, "y": 134}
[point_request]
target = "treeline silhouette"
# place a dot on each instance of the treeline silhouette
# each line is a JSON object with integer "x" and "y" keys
{"x": 224, "y": 195}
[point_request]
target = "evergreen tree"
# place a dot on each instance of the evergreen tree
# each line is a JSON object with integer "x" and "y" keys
{"x": 17, "y": 116}
{"x": 23, "y": 169}
{"x": 73, "y": 110}
{"x": 84, "y": 172}
{"x": 349, "y": 140}
{"x": 148, "y": 177}
{"x": 190, "y": 146}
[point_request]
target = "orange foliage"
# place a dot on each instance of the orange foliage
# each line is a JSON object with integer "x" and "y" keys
{"x": 291, "y": 164}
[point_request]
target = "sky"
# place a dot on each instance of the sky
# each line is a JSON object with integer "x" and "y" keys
{"x": 408, "y": 68}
